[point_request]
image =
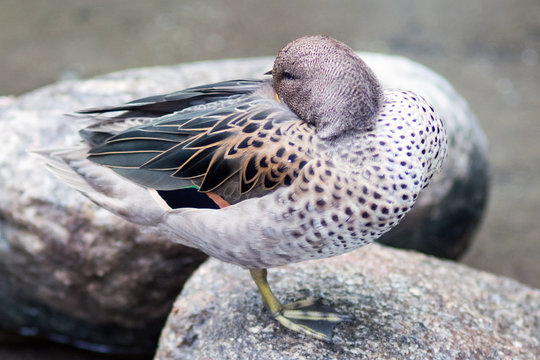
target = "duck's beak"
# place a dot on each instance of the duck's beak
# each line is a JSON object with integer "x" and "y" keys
{"x": 269, "y": 72}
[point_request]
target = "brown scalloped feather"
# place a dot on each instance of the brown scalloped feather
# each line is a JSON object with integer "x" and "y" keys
{"x": 251, "y": 146}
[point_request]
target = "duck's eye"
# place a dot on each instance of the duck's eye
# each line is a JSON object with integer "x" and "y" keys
{"x": 288, "y": 76}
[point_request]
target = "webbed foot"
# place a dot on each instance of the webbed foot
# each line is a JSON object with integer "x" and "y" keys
{"x": 310, "y": 317}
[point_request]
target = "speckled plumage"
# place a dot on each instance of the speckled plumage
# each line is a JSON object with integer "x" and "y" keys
{"x": 295, "y": 194}
{"x": 354, "y": 190}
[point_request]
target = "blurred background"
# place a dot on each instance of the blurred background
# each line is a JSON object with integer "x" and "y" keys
{"x": 488, "y": 49}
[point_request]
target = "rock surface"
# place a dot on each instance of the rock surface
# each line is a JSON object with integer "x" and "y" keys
{"x": 72, "y": 272}
{"x": 406, "y": 306}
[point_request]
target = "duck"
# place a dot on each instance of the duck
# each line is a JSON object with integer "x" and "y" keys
{"x": 313, "y": 160}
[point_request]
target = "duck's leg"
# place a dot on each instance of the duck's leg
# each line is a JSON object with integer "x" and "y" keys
{"x": 308, "y": 317}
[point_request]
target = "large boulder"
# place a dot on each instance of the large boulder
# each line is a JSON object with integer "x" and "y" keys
{"x": 405, "y": 306}
{"x": 74, "y": 273}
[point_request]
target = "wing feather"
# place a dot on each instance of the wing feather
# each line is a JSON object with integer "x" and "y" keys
{"x": 247, "y": 139}
{"x": 198, "y": 95}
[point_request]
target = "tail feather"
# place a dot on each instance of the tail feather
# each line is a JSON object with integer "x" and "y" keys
{"x": 57, "y": 166}
{"x": 104, "y": 187}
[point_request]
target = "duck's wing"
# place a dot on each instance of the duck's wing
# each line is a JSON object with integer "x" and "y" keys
{"x": 234, "y": 142}
{"x": 160, "y": 105}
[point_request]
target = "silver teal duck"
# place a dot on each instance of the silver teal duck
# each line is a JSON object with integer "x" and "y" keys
{"x": 313, "y": 162}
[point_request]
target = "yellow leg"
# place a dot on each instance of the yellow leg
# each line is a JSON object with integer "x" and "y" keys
{"x": 306, "y": 316}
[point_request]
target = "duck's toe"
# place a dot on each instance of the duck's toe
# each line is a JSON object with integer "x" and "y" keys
{"x": 311, "y": 317}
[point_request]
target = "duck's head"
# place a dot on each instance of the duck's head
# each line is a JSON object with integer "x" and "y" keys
{"x": 326, "y": 84}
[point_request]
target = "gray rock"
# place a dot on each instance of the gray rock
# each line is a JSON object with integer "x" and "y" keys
{"x": 72, "y": 272}
{"x": 406, "y": 306}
